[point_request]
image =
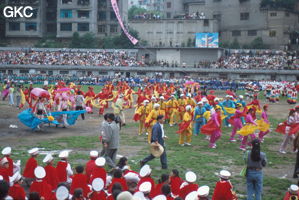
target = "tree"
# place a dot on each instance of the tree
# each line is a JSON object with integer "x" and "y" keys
{"x": 88, "y": 41}
{"x": 235, "y": 44}
{"x": 189, "y": 42}
{"x": 258, "y": 43}
{"x": 134, "y": 10}
{"x": 75, "y": 43}
{"x": 224, "y": 44}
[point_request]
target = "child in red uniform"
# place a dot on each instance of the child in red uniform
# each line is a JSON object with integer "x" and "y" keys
{"x": 40, "y": 186}
{"x": 79, "y": 180}
{"x": 63, "y": 168}
{"x": 98, "y": 192}
{"x": 117, "y": 178}
{"x": 6, "y": 153}
{"x": 31, "y": 164}
{"x": 163, "y": 180}
{"x": 145, "y": 176}
{"x": 224, "y": 188}
{"x": 292, "y": 193}
{"x": 4, "y": 172}
{"x": 175, "y": 182}
{"x": 51, "y": 174}
{"x": 16, "y": 191}
{"x": 188, "y": 186}
{"x": 99, "y": 171}
{"x": 90, "y": 165}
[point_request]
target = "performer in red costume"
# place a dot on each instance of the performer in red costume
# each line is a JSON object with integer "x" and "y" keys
{"x": 31, "y": 164}
{"x": 89, "y": 95}
{"x": 51, "y": 174}
{"x": 91, "y": 165}
{"x": 223, "y": 189}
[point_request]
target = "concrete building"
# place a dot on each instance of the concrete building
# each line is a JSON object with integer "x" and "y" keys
{"x": 243, "y": 20}
{"x": 61, "y": 18}
{"x": 172, "y": 32}
{"x": 157, "y": 5}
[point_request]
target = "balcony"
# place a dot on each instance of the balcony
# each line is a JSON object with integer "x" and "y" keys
{"x": 83, "y": 2}
{"x": 194, "y": 1}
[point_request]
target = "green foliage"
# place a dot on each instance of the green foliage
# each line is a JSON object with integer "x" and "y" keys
{"x": 48, "y": 43}
{"x": 287, "y": 4}
{"x": 189, "y": 42}
{"x": 134, "y": 10}
{"x": 88, "y": 41}
{"x": 224, "y": 44}
{"x": 235, "y": 44}
{"x": 258, "y": 43}
{"x": 120, "y": 41}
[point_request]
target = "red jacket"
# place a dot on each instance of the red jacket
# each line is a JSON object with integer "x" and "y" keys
{"x": 157, "y": 189}
{"x": 223, "y": 191}
{"x": 10, "y": 168}
{"x": 31, "y": 164}
{"x": 187, "y": 189}
{"x": 4, "y": 173}
{"x": 80, "y": 181}
{"x": 122, "y": 181}
{"x": 17, "y": 192}
{"x": 61, "y": 171}
{"x": 43, "y": 188}
{"x": 98, "y": 195}
{"x": 175, "y": 183}
{"x": 51, "y": 176}
{"x": 98, "y": 172}
{"x": 287, "y": 196}
{"x": 89, "y": 167}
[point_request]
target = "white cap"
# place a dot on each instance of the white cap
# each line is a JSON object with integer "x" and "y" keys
{"x": 138, "y": 196}
{"x": 6, "y": 151}
{"x": 15, "y": 178}
{"x": 3, "y": 161}
{"x": 63, "y": 154}
{"x": 190, "y": 177}
{"x": 100, "y": 162}
{"x": 225, "y": 174}
{"x": 161, "y": 97}
{"x": 48, "y": 158}
{"x": 188, "y": 95}
{"x": 227, "y": 96}
{"x": 241, "y": 96}
{"x": 153, "y": 98}
{"x": 156, "y": 105}
{"x": 97, "y": 184}
{"x": 216, "y": 99}
{"x": 1, "y": 178}
{"x": 108, "y": 180}
{"x": 145, "y": 101}
{"x": 203, "y": 191}
{"x": 145, "y": 187}
{"x": 39, "y": 172}
{"x": 145, "y": 171}
{"x": 188, "y": 107}
{"x": 294, "y": 188}
{"x": 62, "y": 193}
{"x": 192, "y": 196}
{"x": 204, "y": 100}
{"x": 33, "y": 151}
{"x": 199, "y": 103}
{"x": 93, "y": 154}
{"x": 125, "y": 195}
{"x": 160, "y": 197}
{"x": 132, "y": 177}
{"x": 182, "y": 95}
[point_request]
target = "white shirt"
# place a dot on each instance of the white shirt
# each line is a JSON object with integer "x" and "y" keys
{"x": 163, "y": 135}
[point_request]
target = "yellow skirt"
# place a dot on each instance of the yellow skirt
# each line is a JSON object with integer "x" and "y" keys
{"x": 230, "y": 110}
{"x": 262, "y": 125}
{"x": 207, "y": 115}
{"x": 247, "y": 129}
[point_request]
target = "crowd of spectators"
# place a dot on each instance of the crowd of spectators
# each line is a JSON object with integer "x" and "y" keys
{"x": 104, "y": 58}
{"x": 262, "y": 61}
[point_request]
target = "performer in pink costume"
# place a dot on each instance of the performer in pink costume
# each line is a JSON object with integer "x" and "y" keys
{"x": 236, "y": 121}
{"x": 252, "y": 124}
{"x": 266, "y": 120}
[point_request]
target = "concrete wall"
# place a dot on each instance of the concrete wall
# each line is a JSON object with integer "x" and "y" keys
{"x": 167, "y": 33}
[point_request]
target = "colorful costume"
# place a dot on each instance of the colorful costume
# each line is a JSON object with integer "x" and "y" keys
{"x": 185, "y": 130}
{"x": 199, "y": 119}
{"x": 248, "y": 129}
{"x": 213, "y": 128}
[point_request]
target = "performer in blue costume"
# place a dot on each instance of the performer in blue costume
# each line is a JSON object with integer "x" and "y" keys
{"x": 198, "y": 118}
{"x": 228, "y": 103}
{"x": 243, "y": 103}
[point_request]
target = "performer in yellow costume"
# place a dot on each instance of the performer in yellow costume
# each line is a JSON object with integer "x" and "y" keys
{"x": 163, "y": 105}
{"x": 172, "y": 106}
{"x": 185, "y": 130}
{"x": 151, "y": 119}
{"x": 140, "y": 115}
{"x": 182, "y": 104}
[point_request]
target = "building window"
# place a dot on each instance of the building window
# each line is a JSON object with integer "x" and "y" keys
{"x": 272, "y": 33}
{"x": 50, "y": 16}
{"x": 66, "y": 14}
{"x": 159, "y": 32}
{"x": 236, "y": 33}
{"x": 150, "y": 32}
{"x": 83, "y": 14}
{"x": 102, "y": 28}
{"x": 169, "y": 32}
{"x": 252, "y": 33}
{"x": 51, "y": 28}
{"x": 168, "y": 4}
{"x": 14, "y": 26}
{"x": 34, "y": 13}
{"x": 205, "y": 22}
{"x": 66, "y": 27}
{"x": 287, "y": 14}
{"x": 217, "y": 16}
{"x": 168, "y": 15}
{"x": 244, "y": 16}
{"x": 113, "y": 28}
{"x": 83, "y": 2}
{"x": 83, "y": 26}
{"x": 66, "y": 1}
{"x": 102, "y": 16}
{"x": 273, "y": 14}
{"x": 30, "y": 26}
{"x": 112, "y": 15}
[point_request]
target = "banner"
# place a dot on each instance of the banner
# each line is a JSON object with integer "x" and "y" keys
{"x": 116, "y": 11}
{"x": 207, "y": 40}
